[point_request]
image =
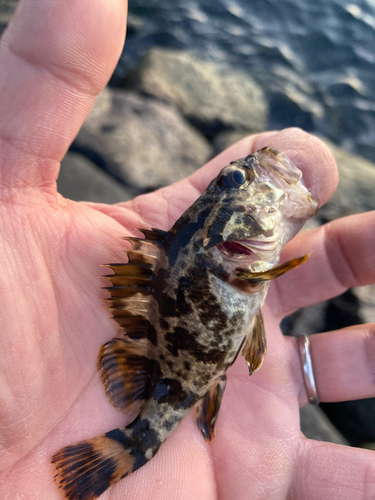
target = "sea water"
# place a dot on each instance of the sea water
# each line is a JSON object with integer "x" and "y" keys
{"x": 315, "y": 59}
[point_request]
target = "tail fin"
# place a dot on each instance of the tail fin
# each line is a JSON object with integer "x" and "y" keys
{"x": 84, "y": 471}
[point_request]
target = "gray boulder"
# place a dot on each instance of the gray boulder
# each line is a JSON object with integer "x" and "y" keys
{"x": 290, "y": 109}
{"x": 366, "y": 297}
{"x": 143, "y": 143}
{"x": 354, "y": 419}
{"x": 355, "y": 192}
{"x": 212, "y": 97}
{"x": 81, "y": 180}
{"x": 227, "y": 138}
{"x": 316, "y": 425}
{"x": 7, "y": 8}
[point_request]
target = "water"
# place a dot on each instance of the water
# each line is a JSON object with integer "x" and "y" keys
{"x": 317, "y": 53}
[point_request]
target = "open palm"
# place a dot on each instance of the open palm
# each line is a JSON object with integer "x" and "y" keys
{"x": 54, "y": 59}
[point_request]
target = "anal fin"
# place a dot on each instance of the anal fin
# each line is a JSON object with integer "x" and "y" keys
{"x": 255, "y": 346}
{"x": 208, "y": 407}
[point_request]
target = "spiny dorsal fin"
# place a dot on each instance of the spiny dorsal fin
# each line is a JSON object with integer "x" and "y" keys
{"x": 157, "y": 236}
{"x": 134, "y": 279}
{"x": 123, "y": 364}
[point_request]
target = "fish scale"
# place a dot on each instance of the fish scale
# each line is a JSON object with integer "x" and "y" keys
{"x": 188, "y": 301}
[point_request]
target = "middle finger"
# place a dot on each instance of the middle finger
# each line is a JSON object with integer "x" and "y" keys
{"x": 342, "y": 256}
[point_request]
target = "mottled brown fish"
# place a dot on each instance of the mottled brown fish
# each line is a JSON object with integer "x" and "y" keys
{"x": 189, "y": 300}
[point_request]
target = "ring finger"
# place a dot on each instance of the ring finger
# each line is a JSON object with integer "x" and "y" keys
{"x": 343, "y": 363}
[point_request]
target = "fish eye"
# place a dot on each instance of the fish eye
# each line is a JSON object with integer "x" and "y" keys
{"x": 235, "y": 177}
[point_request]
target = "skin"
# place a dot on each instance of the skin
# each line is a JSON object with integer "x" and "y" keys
{"x": 54, "y": 58}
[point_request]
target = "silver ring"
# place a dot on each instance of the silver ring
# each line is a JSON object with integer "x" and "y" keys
{"x": 304, "y": 350}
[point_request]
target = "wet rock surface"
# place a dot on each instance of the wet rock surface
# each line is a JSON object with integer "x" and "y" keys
{"x": 316, "y": 425}
{"x": 354, "y": 419}
{"x": 7, "y": 8}
{"x": 355, "y": 192}
{"x": 143, "y": 143}
{"x": 213, "y": 98}
{"x": 225, "y": 139}
{"x": 82, "y": 180}
{"x": 286, "y": 110}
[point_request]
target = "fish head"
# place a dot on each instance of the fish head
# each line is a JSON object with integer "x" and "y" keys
{"x": 257, "y": 204}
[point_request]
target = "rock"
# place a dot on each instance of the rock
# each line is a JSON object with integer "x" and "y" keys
{"x": 355, "y": 192}
{"x": 7, "y": 7}
{"x": 369, "y": 446}
{"x": 81, "y": 180}
{"x": 366, "y": 297}
{"x": 143, "y": 143}
{"x": 339, "y": 312}
{"x": 134, "y": 23}
{"x": 354, "y": 419}
{"x": 308, "y": 320}
{"x": 212, "y": 97}
{"x": 316, "y": 425}
{"x": 286, "y": 110}
{"x": 226, "y": 139}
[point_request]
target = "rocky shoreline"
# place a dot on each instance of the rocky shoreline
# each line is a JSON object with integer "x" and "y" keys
{"x": 171, "y": 115}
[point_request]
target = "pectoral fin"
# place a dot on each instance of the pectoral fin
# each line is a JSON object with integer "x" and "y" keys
{"x": 246, "y": 280}
{"x": 124, "y": 371}
{"x": 208, "y": 407}
{"x": 271, "y": 274}
{"x": 255, "y": 346}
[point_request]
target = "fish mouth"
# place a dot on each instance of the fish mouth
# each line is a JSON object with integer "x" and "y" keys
{"x": 234, "y": 250}
{"x": 263, "y": 247}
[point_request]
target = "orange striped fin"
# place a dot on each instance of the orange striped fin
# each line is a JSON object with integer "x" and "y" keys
{"x": 271, "y": 274}
{"x": 123, "y": 369}
{"x": 84, "y": 471}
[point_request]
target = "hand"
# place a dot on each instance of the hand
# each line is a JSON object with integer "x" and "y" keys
{"x": 54, "y": 59}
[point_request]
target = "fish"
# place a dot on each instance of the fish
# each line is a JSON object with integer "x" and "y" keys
{"x": 188, "y": 301}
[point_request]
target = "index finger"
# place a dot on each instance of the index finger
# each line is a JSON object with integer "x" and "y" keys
{"x": 342, "y": 256}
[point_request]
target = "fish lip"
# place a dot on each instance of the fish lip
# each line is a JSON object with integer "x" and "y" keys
{"x": 256, "y": 247}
